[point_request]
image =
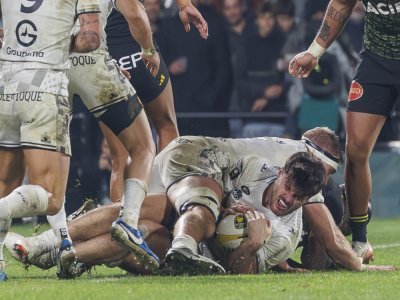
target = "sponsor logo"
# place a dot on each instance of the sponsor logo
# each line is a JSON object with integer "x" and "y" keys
{"x": 82, "y": 60}
{"x": 24, "y": 96}
{"x": 162, "y": 78}
{"x": 240, "y": 222}
{"x": 20, "y": 53}
{"x": 236, "y": 194}
{"x": 245, "y": 190}
{"x": 129, "y": 62}
{"x": 383, "y": 8}
{"x": 236, "y": 170}
{"x": 356, "y": 91}
{"x": 26, "y": 33}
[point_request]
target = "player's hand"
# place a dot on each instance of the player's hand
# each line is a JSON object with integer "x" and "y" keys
{"x": 258, "y": 228}
{"x": 378, "y": 268}
{"x": 125, "y": 73}
{"x": 190, "y": 14}
{"x": 152, "y": 62}
{"x": 237, "y": 208}
{"x": 302, "y": 64}
{"x": 285, "y": 267}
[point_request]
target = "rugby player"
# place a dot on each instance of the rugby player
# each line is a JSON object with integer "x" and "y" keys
{"x": 155, "y": 92}
{"x": 34, "y": 111}
{"x": 372, "y": 95}
{"x": 108, "y": 95}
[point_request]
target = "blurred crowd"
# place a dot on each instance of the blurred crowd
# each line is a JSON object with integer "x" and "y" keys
{"x": 241, "y": 67}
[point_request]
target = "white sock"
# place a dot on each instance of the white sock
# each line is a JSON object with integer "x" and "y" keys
{"x": 24, "y": 201}
{"x": 4, "y": 226}
{"x": 185, "y": 241}
{"x": 135, "y": 191}
{"x": 58, "y": 223}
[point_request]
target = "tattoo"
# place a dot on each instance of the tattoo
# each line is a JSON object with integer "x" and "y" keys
{"x": 338, "y": 16}
{"x": 325, "y": 31}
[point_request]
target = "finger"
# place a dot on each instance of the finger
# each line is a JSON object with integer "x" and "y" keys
{"x": 250, "y": 216}
{"x": 187, "y": 26}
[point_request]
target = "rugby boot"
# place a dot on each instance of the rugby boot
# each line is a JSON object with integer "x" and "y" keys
{"x": 66, "y": 260}
{"x": 37, "y": 250}
{"x": 183, "y": 261}
{"x": 88, "y": 205}
{"x": 363, "y": 250}
{"x": 132, "y": 239}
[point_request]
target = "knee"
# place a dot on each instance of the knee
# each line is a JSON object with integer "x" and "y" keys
{"x": 54, "y": 205}
{"x": 357, "y": 151}
{"x": 202, "y": 216}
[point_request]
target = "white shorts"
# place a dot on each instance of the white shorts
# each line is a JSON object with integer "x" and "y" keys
{"x": 97, "y": 79}
{"x": 185, "y": 156}
{"x": 35, "y": 119}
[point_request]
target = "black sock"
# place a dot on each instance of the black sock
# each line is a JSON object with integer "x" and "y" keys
{"x": 358, "y": 226}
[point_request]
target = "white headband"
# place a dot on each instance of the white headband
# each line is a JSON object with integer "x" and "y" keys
{"x": 326, "y": 157}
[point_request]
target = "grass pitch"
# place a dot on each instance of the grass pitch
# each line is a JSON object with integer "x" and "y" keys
{"x": 105, "y": 283}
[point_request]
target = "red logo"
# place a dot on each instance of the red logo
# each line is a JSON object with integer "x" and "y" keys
{"x": 356, "y": 91}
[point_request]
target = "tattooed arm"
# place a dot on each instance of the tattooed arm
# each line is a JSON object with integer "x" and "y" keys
{"x": 336, "y": 16}
{"x": 88, "y": 38}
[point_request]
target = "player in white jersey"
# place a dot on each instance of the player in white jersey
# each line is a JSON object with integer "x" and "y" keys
{"x": 34, "y": 110}
{"x": 96, "y": 78}
{"x": 109, "y": 96}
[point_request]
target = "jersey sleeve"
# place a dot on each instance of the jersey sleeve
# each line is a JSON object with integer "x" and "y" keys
{"x": 87, "y": 6}
{"x": 317, "y": 198}
{"x": 276, "y": 250}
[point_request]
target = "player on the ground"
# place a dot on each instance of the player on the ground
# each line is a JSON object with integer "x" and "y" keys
{"x": 372, "y": 95}
{"x": 279, "y": 191}
{"x": 34, "y": 111}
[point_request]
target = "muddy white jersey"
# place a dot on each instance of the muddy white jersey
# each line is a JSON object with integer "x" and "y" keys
{"x": 37, "y": 33}
{"x": 247, "y": 182}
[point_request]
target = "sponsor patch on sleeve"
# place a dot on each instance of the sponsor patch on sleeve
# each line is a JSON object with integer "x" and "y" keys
{"x": 356, "y": 91}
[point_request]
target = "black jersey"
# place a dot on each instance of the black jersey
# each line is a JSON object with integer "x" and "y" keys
{"x": 117, "y": 29}
{"x": 382, "y": 28}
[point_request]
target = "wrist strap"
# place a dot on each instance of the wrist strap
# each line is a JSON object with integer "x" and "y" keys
{"x": 316, "y": 49}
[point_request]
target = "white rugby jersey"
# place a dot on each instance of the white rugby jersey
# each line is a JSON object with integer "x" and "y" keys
{"x": 246, "y": 183}
{"x": 37, "y": 33}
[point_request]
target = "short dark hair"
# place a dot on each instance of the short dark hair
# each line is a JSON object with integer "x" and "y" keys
{"x": 285, "y": 7}
{"x": 265, "y": 7}
{"x": 305, "y": 173}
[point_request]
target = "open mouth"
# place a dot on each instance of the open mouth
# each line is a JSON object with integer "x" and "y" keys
{"x": 282, "y": 204}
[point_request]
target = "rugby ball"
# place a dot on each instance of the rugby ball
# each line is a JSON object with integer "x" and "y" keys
{"x": 231, "y": 232}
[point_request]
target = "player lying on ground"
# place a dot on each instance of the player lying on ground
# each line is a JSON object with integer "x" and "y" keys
{"x": 280, "y": 192}
{"x": 323, "y": 142}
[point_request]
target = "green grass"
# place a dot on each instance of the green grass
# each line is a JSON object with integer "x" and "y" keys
{"x": 115, "y": 284}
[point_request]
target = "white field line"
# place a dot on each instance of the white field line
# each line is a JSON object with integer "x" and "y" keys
{"x": 385, "y": 246}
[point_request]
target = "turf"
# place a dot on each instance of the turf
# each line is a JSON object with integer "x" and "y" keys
{"x": 107, "y": 283}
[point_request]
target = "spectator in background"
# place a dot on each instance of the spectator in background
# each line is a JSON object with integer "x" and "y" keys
{"x": 200, "y": 71}
{"x": 260, "y": 84}
{"x": 234, "y": 14}
{"x": 153, "y": 11}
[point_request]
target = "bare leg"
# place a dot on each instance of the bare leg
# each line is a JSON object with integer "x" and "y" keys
{"x": 362, "y": 131}
{"x": 161, "y": 112}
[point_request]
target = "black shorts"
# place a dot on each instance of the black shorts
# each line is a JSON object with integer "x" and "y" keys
{"x": 147, "y": 87}
{"x": 376, "y": 85}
